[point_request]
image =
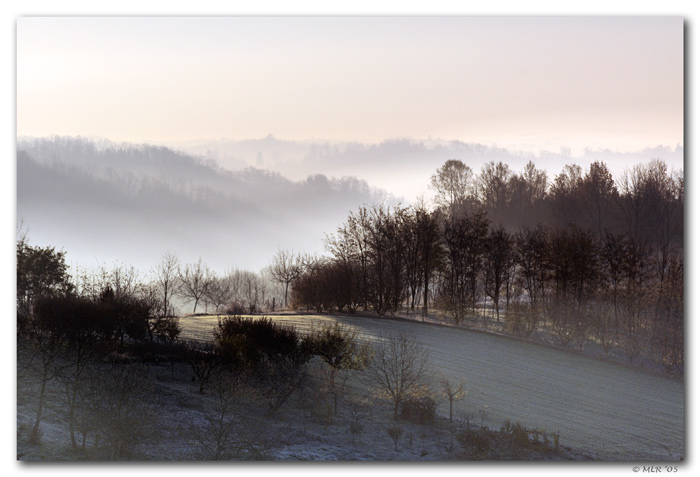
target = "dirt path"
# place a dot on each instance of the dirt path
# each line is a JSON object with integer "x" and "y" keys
{"x": 611, "y": 411}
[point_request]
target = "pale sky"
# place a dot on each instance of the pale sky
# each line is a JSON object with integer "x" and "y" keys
{"x": 520, "y": 82}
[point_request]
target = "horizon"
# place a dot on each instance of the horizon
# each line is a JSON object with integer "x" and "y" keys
{"x": 521, "y": 83}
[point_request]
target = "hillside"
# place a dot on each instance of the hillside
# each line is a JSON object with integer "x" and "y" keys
{"x": 104, "y": 202}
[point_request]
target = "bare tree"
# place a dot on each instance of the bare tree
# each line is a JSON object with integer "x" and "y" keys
{"x": 219, "y": 293}
{"x": 219, "y": 418}
{"x": 122, "y": 406}
{"x": 564, "y": 195}
{"x": 598, "y": 195}
{"x": 165, "y": 278}
{"x": 454, "y": 185}
{"x": 194, "y": 282}
{"x": 499, "y": 258}
{"x": 494, "y": 183}
{"x": 340, "y": 347}
{"x": 399, "y": 369}
{"x": 285, "y": 268}
{"x": 452, "y": 393}
{"x": 46, "y": 345}
{"x": 253, "y": 291}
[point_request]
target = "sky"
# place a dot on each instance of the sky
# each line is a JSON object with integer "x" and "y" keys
{"x": 524, "y": 83}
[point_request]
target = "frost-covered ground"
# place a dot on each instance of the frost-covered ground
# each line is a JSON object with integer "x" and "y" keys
{"x": 601, "y": 410}
{"x": 607, "y": 409}
{"x": 302, "y": 430}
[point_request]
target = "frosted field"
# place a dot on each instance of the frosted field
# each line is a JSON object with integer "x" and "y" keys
{"x": 611, "y": 411}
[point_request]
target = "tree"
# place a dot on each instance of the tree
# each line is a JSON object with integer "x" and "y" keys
{"x": 285, "y": 268}
{"x": 219, "y": 292}
{"x": 494, "y": 191}
{"x": 122, "y": 404}
{"x": 429, "y": 247}
{"x": 465, "y": 243}
{"x": 598, "y": 195}
{"x": 410, "y": 233}
{"x": 399, "y": 369}
{"x": 145, "y": 314}
{"x": 564, "y": 195}
{"x": 204, "y": 360}
{"x": 386, "y": 272}
{"x": 340, "y": 348}
{"x": 452, "y": 393}
{"x": 531, "y": 248}
{"x": 44, "y": 343}
{"x": 499, "y": 257}
{"x": 350, "y": 247}
{"x": 83, "y": 327}
{"x": 194, "y": 281}
{"x": 218, "y": 419}
{"x": 526, "y": 195}
{"x": 40, "y": 271}
{"x": 165, "y": 276}
{"x": 252, "y": 291}
{"x": 454, "y": 186}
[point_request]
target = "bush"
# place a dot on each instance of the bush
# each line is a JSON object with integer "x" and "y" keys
{"x": 247, "y": 343}
{"x": 273, "y": 356}
{"x": 395, "y": 433}
{"x": 476, "y": 442}
{"x": 522, "y": 319}
{"x": 516, "y": 434}
{"x": 235, "y": 308}
{"x": 420, "y": 410}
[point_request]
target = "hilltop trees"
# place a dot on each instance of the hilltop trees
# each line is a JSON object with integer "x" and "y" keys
{"x": 454, "y": 186}
{"x": 551, "y": 255}
{"x": 465, "y": 245}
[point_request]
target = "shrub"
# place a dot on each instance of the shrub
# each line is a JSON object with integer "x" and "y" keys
{"x": 476, "y": 442}
{"x": 516, "y": 434}
{"x": 248, "y": 343}
{"x": 341, "y": 349}
{"x": 235, "y": 308}
{"x": 522, "y": 319}
{"x": 420, "y": 410}
{"x": 395, "y": 434}
{"x": 273, "y": 355}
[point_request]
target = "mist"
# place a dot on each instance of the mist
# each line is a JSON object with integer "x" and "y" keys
{"x": 106, "y": 203}
{"x": 404, "y": 166}
{"x": 234, "y": 204}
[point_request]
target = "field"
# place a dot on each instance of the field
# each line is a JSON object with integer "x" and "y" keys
{"x": 599, "y": 410}
{"x": 607, "y": 410}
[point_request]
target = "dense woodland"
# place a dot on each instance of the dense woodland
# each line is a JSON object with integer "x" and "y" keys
{"x": 586, "y": 256}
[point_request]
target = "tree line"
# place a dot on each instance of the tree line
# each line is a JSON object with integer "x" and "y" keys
{"x": 587, "y": 257}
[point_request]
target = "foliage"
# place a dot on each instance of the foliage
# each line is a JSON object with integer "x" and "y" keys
{"x": 41, "y": 271}
{"x": 248, "y": 343}
{"x": 273, "y": 355}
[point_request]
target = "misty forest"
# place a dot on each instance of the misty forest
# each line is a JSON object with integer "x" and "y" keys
{"x": 505, "y": 314}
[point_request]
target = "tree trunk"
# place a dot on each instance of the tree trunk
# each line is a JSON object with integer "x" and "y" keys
{"x": 34, "y": 439}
